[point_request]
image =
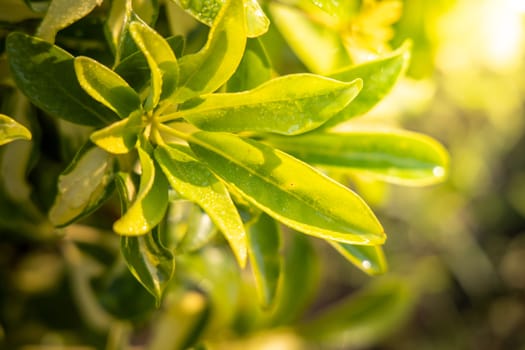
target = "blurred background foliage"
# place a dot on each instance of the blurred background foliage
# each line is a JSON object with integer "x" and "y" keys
{"x": 456, "y": 251}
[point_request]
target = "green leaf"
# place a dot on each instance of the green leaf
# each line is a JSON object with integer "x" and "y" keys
{"x": 61, "y": 14}
{"x": 370, "y": 259}
{"x": 319, "y": 47}
{"x": 291, "y": 104}
{"x": 208, "y": 69}
{"x": 83, "y": 186}
{"x": 300, "y": 280}
{"x": 119, "y": 137}
{"x": 193, "y": 181}
{"x": 206, "y": 12}
{"x": 46, "y": 75}
{"x": 147, "y": 10}
{"x": 288, "y": 190}
{"x": 151, "y": 201}
{"x": 254, "y": 69}
{"x": 149, "y": 261}
{"x": 395, "y": 156}
{"x": 362, "y": 319}
{"x": 135, "y": 69}
{"x": 264, "y": 240}
{"x": 106, "y": 86}
{"x": 10, "y": 130}
{"x": 121, "y": 15}
{"x": 379, "y": 76}
{"x": 161, "y": 61}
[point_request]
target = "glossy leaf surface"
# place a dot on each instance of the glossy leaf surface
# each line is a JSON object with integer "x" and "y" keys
{"x": 320, "y": 48}
{"x": 83, "y": 186}
{"x": 264, "y": 240}
{"x": 10, "y": 130}
{"x": 206, "y": 11}
{"x": 289, "y": 105}
{"x": 288, "y": 190}
{"x": 254, "y": 69}
{"x": 161, "y": 61}
{"x": 396, "y": 156}
{"x": 193, "y": 181}
{"x": 106, "y": 86}
{"x": 46, "y": 75}
{"x": 151, "y": 201}
{"x": 370, "y": 259}
{"x": 379, "y": 76}
{"x": 62, "y": 13}
{"x": 208, "y": 69}
{"x": 119, "y": 137}
{"x": 149, "y": 261}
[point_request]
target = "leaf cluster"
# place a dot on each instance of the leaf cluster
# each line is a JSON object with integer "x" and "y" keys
{"x": 251, "y": 153}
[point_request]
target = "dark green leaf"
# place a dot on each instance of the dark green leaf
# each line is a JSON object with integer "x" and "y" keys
{"x": 83, "y": 186}
{"x": 10, "y": 130}
{"x": 106, "y": 86}
{"x": 264, "y": 239}
{"x": 291, "y": 104}
{"x": 208, "y": 69}
{"x": 46, "y": 75}
{"x": 288, "y": 190}
{"x": 392, "y": 155}
{"x": 149, "y": 261}
{"x": 135, "y": 70}
{"x": 150, "y": 204}
{"x": 193, "y": 181}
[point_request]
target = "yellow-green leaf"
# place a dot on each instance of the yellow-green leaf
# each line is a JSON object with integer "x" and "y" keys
{"x": 291, "y": 104}
{"x": 106, "y": 86}
{"x": 83, "y": 186}
{"x": 10, "y": 130}
{"x": 193, "y": 181}
{"x": 119, "y": 137}
{"x": 379, "y": 77}
{"x": 161, "y": 61}
{"x": 396, "y": 156}
{"x": 151, "y": 201}
{"x": 288, "y": 190}
{"x": 206, "y": 11}
{"x": 62, "y": 13}
{"x": 370, "y": 259}
{"x": 319, "y": 47}
{"x": 208, "y": 69}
